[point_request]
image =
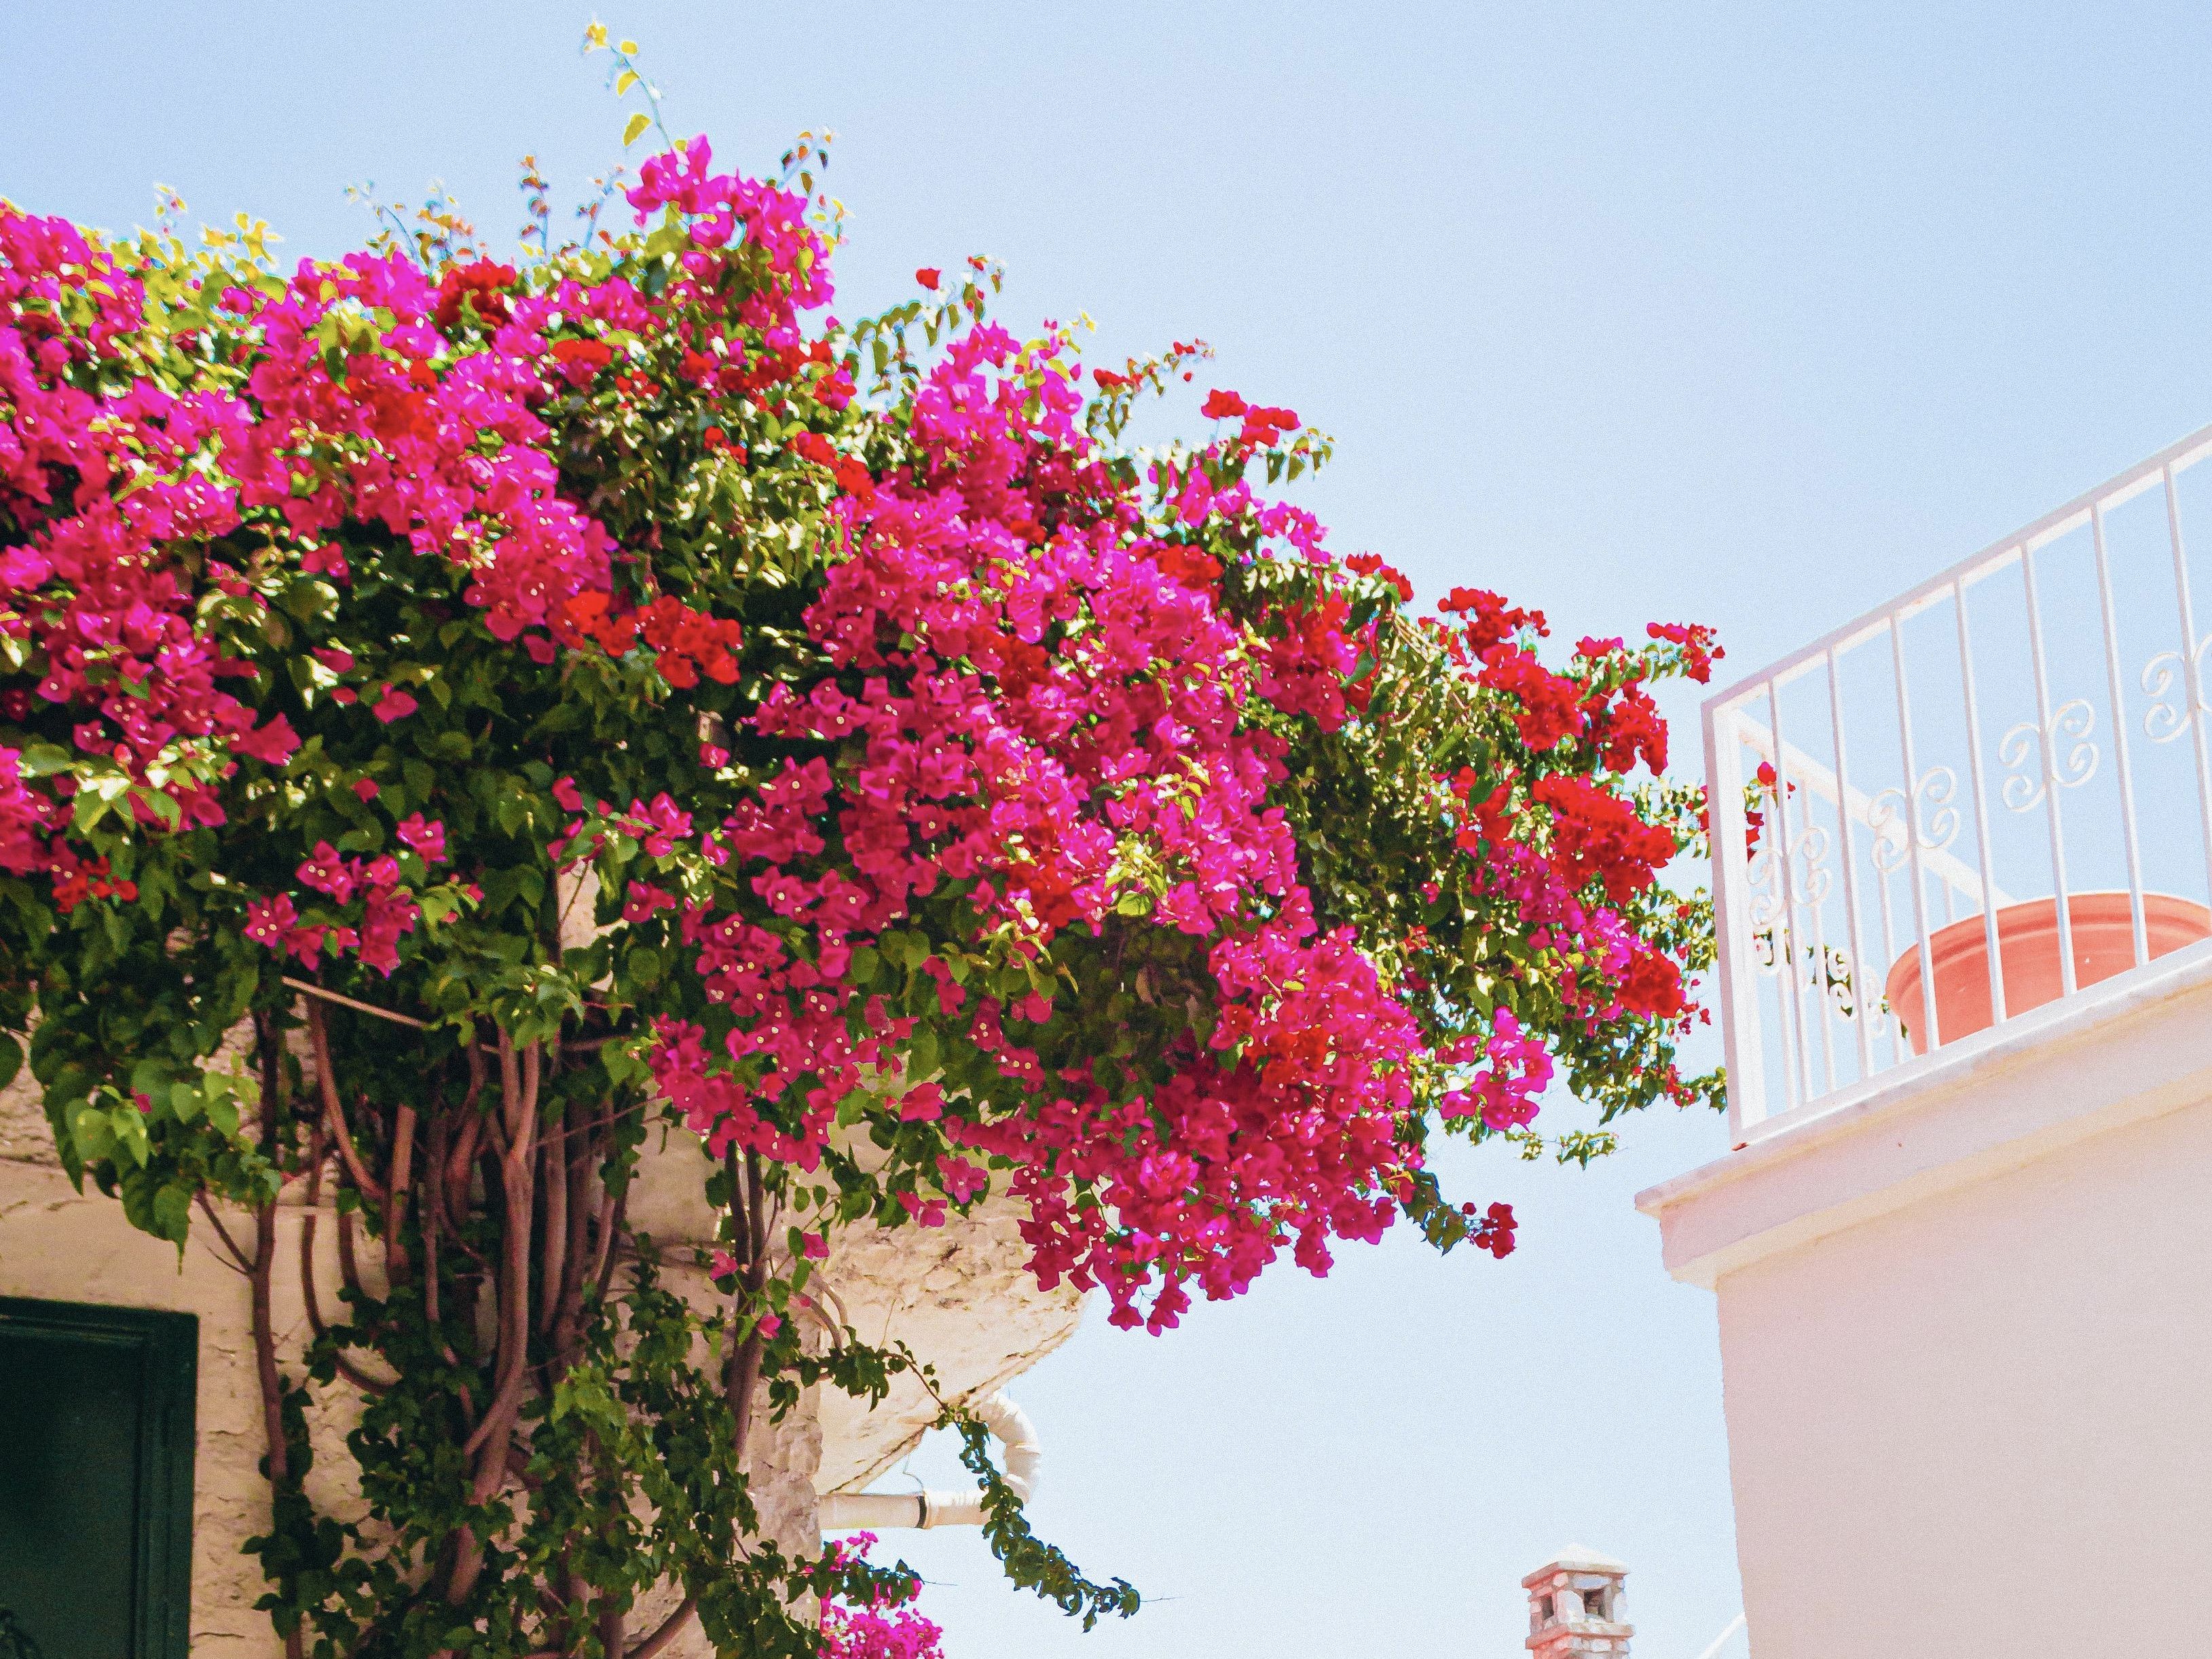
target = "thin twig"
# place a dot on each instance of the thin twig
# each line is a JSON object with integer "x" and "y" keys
{"x": 245, "y": 1263}
{"x": 613, "y": 1207}
{"x": 434, "y": 1210}
{"x": 358, "y": 1006}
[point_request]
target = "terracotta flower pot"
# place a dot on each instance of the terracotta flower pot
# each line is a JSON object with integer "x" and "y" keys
{"x": 2027, "y": 941}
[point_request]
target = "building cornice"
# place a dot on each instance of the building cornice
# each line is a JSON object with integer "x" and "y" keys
{"x": 2124, "y": 1052}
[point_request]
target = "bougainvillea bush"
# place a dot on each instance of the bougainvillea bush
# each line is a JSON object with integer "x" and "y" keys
{"x": 886, "y": 1626}
{"x": 457, "y": 714}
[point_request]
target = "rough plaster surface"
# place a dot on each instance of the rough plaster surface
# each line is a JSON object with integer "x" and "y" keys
{"x": 957, "y": 1295}
{"x": 960, "y": 1295}
{"x": 24, "y": 1136}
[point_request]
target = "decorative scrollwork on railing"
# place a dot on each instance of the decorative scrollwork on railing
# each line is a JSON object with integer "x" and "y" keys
{"x": 2022, "y": 753}
{"x": 1933, "y": 818}
{"x": 1811, "y": 880}
{"x": 2168, "y": 716}
{"x": 1839, "y": 983}
{"x": 1763, "y": 887}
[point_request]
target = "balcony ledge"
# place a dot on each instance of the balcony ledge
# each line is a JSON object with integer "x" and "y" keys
{"x": 2133, "y": 1049}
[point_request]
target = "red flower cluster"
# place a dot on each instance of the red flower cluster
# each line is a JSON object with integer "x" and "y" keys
{"x": 1652, "y": 987}
{"x": 1700, "y": 649}
{"x": 581, "y": 361}
{"x": 77, "y": 879}
{"x": 1489, "y": 620}
{"x": 1550, "y": 706}
{"x": 689, "y": 644}
{"x": 1370, "y": 564}
{"x": 1494, "y": 1231}
{"x": 1597, "y": 836}
{"x": 388, "y": 911}
{"x": 889, "y": 1626}
{"x": 1628, "y": 728}
{"x": 481, "y": 287}
{"x": 1262, "y": 426}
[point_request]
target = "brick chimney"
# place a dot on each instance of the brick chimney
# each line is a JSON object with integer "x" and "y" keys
{"x": 1575, "y": 1606}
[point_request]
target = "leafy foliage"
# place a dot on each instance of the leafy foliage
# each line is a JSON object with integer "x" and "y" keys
{"x": 455, "y": 715}
{"x": 1030, "y": 1563}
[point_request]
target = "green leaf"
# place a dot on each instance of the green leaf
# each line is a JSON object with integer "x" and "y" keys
{"x": 634, "y": 127}
{"x": 91, "y": 1134}
{"x": 163, "y": 806}
{"x": 172, "y": 1212}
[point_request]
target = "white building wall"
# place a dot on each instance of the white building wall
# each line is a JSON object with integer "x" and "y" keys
{"x": 1966, "y": 1337}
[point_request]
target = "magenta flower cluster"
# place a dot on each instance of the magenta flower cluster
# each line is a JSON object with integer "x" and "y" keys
{"x": 1041, "y": 685}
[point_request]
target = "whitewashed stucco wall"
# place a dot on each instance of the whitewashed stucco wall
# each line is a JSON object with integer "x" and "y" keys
{"x": 1966, "y": 1340}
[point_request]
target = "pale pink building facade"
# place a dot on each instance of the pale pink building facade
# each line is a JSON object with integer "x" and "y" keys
{"x": 1965, "y": 1286}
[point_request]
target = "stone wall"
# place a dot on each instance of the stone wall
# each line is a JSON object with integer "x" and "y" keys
{"x": 958, "y": 1296}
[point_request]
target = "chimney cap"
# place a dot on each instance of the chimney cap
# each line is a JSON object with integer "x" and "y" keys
{"x": 1576, "y": 1557}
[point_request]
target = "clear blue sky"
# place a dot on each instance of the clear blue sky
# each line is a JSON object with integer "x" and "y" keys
{"x": 1748, "y": 314}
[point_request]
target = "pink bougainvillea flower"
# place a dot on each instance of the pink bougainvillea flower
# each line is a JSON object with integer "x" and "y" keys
{"x": 426, "y": 837}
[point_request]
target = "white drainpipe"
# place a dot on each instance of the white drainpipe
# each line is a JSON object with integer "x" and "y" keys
{"x": 847, "y": 1511}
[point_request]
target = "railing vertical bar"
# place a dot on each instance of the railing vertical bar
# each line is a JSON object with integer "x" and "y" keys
{"x": 1912, "y": 836}
{"x": 1746, "y": 1059}
{"x": 1981, "y": 805}
{"x": 1817, "y": 909}
{"x": 2120, "y": 735}
{"x": 2046, "y": 740}
{"x": 1853, "y": 958}
{"x": 2188, "y": 667}
{"x": 1898, "y": 1054}
{"x": 1801, "y": 1073}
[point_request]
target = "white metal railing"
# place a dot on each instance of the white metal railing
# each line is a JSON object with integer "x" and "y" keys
{"x": 1894, "y": 835}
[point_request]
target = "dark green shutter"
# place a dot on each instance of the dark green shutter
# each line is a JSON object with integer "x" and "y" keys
{"x": 96, "y": 1479}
